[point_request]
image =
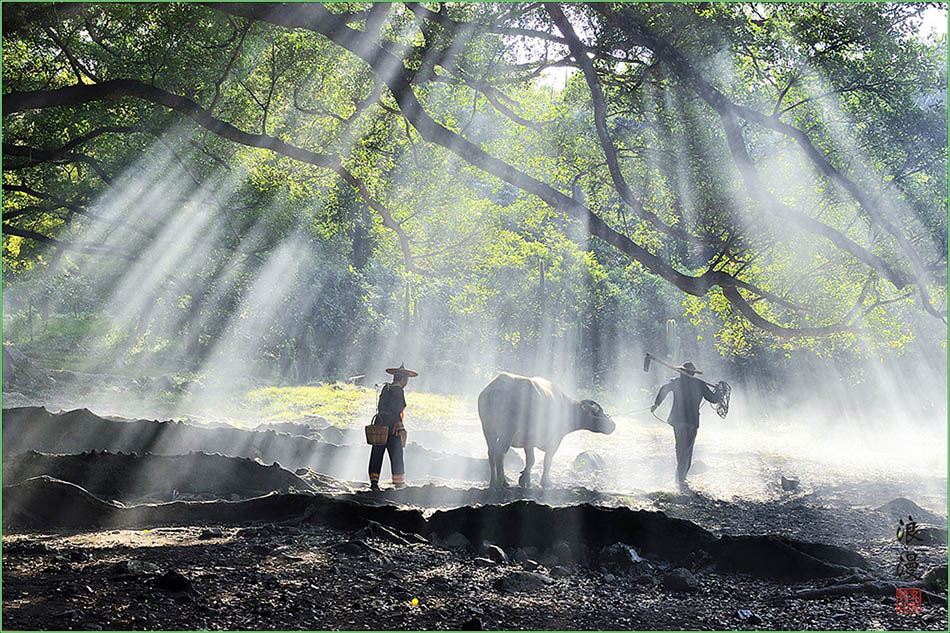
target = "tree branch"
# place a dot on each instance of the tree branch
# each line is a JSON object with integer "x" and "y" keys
{"x": 229, "y": 66}
{"x": 444, "y": 20}
{"x": 75, "y": 95}
{"x": 45, "y": 239}
{"x": 494, "y": 97}
{"x": 728, "y": 114}
{"x": 729, "y": 111}
{"x": 606, "y": 143}
{"x": 78, "y": 68}
{"x": 38, "y": 156}
{"x": 731, "y": 293}
{"x": 391, "y": 70}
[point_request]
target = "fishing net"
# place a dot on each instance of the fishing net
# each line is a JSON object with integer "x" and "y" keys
{"x": 724, "y": 391}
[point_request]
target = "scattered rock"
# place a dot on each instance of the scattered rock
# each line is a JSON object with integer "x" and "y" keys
{"x": 132, "y": 568}
{"x": 698, "y": 468}
{"x": 560, "y": 572}
{"x": 620, "y": 558}
{"x": 549, "y": 560}
{"x": 174, "y": 582}
{"x": 931, "y": 536}
{"x": 530, "y": 565}
{"x": 610, "y": 578}
{"x": 496, "y": 554}
{"x": 562, "y": 550}
{"x": 517, "y": 581}
{"x": 748, "y": 617}
{"x": 681, "y": 579}
{"x": 484, "y": 562}
{"x": 472, "y": 624}
{"x": 789, "y": 484}
{"x": 456, "y": 540}
{"x": 209, "y": 533}
{"x": 588, "y": 462}
{"x": 936, "y": 578}
{"x": 438, "y": 583}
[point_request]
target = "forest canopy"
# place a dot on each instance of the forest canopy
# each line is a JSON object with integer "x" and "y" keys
{"x": 536, "y": 181}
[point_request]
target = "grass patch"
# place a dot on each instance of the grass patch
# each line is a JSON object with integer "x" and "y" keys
{"x": 345, "y": 405}
{"x": 339, "y": 403}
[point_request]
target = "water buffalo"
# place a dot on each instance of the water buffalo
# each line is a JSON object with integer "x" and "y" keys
{"x": 532, "y": 413}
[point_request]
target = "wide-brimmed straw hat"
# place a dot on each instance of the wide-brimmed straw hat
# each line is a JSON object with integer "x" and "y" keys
{"x": 689, "y": 367}
{"x": 401, "y": 370}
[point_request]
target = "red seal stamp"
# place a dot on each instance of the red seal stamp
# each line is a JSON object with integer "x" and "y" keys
{"x": 908, "y": 600}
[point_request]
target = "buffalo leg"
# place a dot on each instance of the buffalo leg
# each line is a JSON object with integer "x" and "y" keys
{"x": 491, "y": 466}
{"x": 548, "y": 456}
{"x": 504, "y": 443}
{"x": 492, "y": 442}
{"x": 525, "y": 480}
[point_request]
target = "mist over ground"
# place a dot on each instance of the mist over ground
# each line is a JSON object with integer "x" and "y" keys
{"x": 223, "y": 224}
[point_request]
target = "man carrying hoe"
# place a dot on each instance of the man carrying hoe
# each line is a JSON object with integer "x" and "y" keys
{"x": 688, "y": 393}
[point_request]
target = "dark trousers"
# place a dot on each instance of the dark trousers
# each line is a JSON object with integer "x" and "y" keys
{"x": 396, "y": 463}
{"x": 685, "y": 435}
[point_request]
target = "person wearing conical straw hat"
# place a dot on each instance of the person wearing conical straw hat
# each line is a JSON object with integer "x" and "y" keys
{"x": 688, "y": 393}
{"x": 392, "y": 402}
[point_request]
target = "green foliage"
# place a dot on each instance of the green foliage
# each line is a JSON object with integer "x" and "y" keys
{"x": 499, "y": 270}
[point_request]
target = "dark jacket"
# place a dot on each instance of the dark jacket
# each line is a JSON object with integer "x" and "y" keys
{"x": 688, "y": 394}
{"x": 392, "y": 400}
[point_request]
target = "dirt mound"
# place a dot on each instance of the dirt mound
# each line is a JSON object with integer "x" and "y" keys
{"x": 34, "y": 428}
{"x": 156, "y": 477}
{"x": 901, "y": 508}
{"x": 44, "y": 501}
{"x": 526, "y": 523}
{"x": 783, "y": 558}
{"x": 446, "y": 495}
{"x": 20, "y": 374}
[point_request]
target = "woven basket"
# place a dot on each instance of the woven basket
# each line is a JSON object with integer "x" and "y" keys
{"x": 377, "y": 434}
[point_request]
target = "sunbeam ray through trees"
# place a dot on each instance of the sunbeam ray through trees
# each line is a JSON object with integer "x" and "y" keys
{"x": 226, "y": 222}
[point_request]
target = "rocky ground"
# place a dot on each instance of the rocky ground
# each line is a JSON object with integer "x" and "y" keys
{"x": 317, "y": 577}
{"x": 153, "y": 528}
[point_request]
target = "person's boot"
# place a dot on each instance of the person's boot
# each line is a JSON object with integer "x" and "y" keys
{"x": 373, "y": 486}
